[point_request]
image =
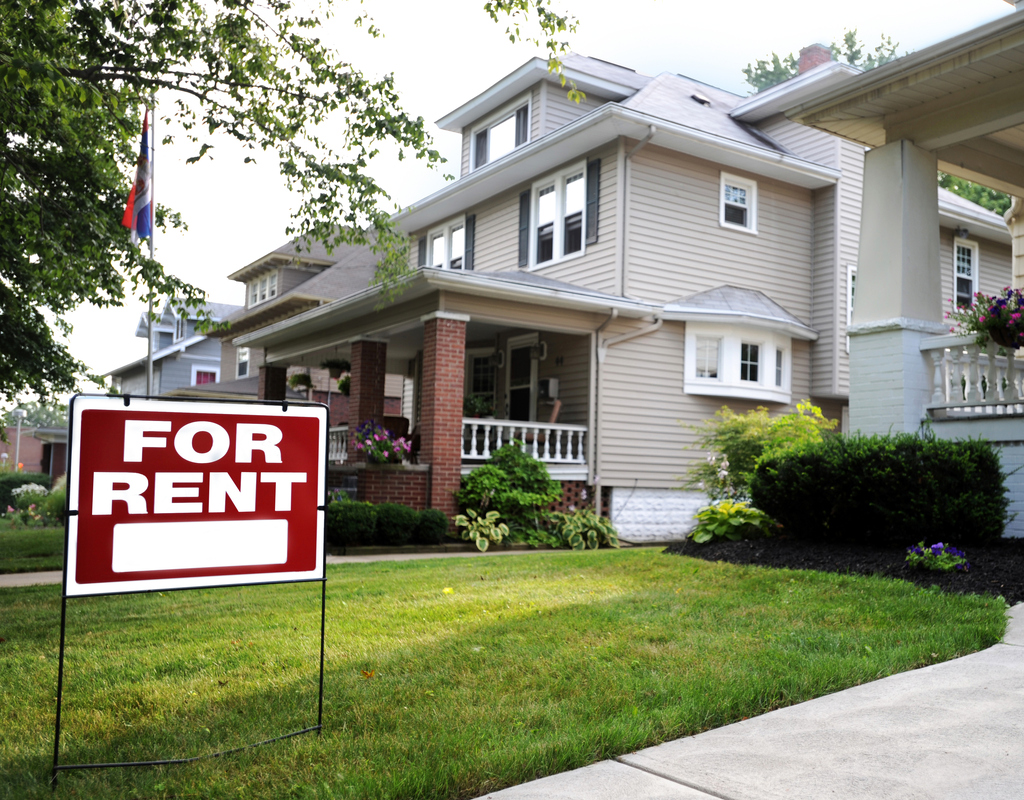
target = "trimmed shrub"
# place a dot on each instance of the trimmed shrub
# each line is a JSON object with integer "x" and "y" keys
{"x": 886, "y": 490}
{"x": 9, "y": 481}
{"x": 512, "y": 483}
{"x": 395, "y": 524}
{"x": 432, "y": 527}
{"x": 350, "y": 524}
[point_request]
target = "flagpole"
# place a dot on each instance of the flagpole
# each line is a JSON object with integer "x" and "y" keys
{"x": 152, "y": 227}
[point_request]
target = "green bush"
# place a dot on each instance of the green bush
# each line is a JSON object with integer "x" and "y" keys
{"x": 512, "y": 483}
{"x": 350, "y": 524}
{"x": 735, "y": 442}
{"x": 582, "y": 529}
{"x": 886, "y": 490}
{"x": 9, "y": 481}
{"x": 53, "y": 504}
{"x": 432, "y": 527}
{"x": 729, "y": 520}
{"x": 395, "y": 524}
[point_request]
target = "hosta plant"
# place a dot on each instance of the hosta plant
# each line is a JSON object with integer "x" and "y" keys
{"x": 731, "y": 520}
{"x": 583, "y": 529}
{"x": 481, "y": 529}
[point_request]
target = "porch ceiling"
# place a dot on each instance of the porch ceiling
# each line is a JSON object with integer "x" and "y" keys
{"x": 962, "y": 99}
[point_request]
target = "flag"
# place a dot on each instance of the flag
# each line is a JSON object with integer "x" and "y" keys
{"x": 138, "y": 214}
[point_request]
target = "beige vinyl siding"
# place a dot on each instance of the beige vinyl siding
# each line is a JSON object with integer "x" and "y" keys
{"x": 644, "y": 414}
{"x": 467, "y": 134}
{"x": 825, "y": 288}
{"x": 993, "y": 265}
{"x": 536, "y": 112}
{"x": 560, "y": 110}
{"x": 573, "y": 375}
{"x": 596, "y": 268}
{"x": 522, "y": 316}
{"x": 677, "y": 247}
{"x": 806, "y": 142}
{"x": 851, "y": 195}
{"x": 496, "y": 242}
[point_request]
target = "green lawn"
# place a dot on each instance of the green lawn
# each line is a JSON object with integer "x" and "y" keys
{"x": 31, "y": 549}
{"x": 445, "y": 678}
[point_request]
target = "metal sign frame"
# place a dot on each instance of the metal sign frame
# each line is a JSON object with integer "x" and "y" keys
{"x": 320, "y": 413}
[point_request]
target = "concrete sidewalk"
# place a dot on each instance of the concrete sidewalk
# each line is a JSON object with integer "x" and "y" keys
{"x": 951, "y": 731}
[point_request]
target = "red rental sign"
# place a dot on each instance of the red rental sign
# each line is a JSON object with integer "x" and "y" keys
{"x": 182, "y": 494}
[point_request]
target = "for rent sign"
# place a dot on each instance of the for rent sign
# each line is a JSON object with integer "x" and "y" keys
{"x": 174, "y": 495}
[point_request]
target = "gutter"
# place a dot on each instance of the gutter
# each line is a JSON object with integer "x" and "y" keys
{"x": 602, "y": 347}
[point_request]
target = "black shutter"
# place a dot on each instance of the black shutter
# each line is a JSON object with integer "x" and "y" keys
{"x": 467, "y": 259}
{"x": 524, "y": 229}
{"x": 421, "y": 259}
{"x": 480, "y": 156}
{"x": 522, "y": 125}
{"x": 593, "y": 191}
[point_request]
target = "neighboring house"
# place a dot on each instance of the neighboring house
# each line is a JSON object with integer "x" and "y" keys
{"x": 610, "y": 272}
{"x": 182, "y": 357}
{"x": 41, "y": 450}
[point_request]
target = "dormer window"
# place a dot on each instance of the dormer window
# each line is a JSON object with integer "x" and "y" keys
{"x": 501, "y": 135}
{"x": 180, "y": 328}
{"x": 262, "y": 289}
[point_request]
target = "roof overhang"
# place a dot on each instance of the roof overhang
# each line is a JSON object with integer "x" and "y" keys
{"x": 428, "y": 280}
{"x": 284, "y": 306}
{"x": 520, "y": 81}
{"x": 177, "y": 347}
{"x": 777, "y": 99}
{"x": 962, "y": 99}
{"x": 978, "y": 221}
{"x": 602, "y": 125}
{"x": 275, "y": 260}
{"x": 680, "y": 313}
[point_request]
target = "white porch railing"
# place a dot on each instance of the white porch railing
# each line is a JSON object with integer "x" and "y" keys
{"x": 337, "y": 445}
{"x": 969, "y": 380}
{"x": 552, "y": 443}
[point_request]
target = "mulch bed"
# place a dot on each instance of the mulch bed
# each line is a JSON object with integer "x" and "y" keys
{"x": 996, "y": 569}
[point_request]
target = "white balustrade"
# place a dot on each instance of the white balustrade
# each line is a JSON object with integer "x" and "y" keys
{"x": 552, "y": 443}
{"x": 337, "y": 445}
{"x": 973, "y": 380}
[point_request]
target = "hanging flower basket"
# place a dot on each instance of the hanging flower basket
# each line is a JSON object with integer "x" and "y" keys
{"x": 999, "y": 318}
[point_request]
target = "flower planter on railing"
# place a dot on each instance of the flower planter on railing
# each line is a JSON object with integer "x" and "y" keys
{"x": 553, "y": 443}
{"x": 972, "y": 380}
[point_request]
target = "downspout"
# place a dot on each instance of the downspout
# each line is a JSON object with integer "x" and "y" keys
{"x": 594, "y": 475}
{"x": 624, "y": 209}
{"x": 602, "y": 347}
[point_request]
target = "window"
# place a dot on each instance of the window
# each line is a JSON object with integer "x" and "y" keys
{"x": 965, "y": 271}
{"x": 180, "y": 328}
{"x": 203, "y": 374}
{"x": 749, "y": 361}
{"x": 738, "y": 204}
{"x": 446, "y": 247}
{"x": 708, "y": 350}
{"x": 503, "y": 134}
{"x": 243, "y": 362}
{"x": 558, "y": 207}
{"x": 263, "y": 289}
{"x": 737, "y": 361}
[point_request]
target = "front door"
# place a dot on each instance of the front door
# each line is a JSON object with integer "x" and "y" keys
{"x": 522, "y": 379}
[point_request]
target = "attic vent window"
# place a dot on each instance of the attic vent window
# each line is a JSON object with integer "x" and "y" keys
{"x": 704, "y": 101}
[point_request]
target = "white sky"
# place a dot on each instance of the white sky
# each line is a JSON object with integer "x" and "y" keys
{"x": 236, "y": 212}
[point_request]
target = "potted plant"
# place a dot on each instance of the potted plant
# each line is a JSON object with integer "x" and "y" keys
{"x": 345, "y": 385}
{"x": 300, "y": 380}
{"x": 477, "y": 405}
{"x": 999, "y": 317}
{"x": 335, "y": 367}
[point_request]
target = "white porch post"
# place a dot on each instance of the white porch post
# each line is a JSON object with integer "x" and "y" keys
{"x": 898, "y": 300}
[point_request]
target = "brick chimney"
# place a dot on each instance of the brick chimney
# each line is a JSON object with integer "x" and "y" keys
{"x": 812, "y": 56}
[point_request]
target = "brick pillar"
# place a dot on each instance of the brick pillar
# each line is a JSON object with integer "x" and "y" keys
{"x": 273, "y": 383}
{"x": 366, "y": 391}
{"x": 444, "y": 353}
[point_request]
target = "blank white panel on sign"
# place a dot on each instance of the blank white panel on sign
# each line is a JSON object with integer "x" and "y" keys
{"x": 149, "y": 546}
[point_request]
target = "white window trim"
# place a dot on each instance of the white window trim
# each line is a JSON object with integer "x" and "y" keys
{"x": 239, "y": 361}
{"x": 971, "y": 245}
{"x": 728, "y": 382}
{"x": 503, "y": 113}
{"x": 197, "y": 368}
{"x": 180, "y": 329}
{"x": 478, "y": 352}
{"x": 446, "y": 232}
{"x": 559, "y": 180}
{"x": 254, "y": 289}
{"x": 743, "y": 183}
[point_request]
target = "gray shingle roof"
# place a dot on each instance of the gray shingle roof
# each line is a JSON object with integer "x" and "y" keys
{"x": 733, "y": 300}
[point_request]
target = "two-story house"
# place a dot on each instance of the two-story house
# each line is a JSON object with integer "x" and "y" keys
{"x": 611, "y": 272}
{"x": 182, "y": 356}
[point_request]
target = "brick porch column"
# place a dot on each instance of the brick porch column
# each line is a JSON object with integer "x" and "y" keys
{"x": 366, "y": 391}
{"x": 273, "y": 383}
{"x": 444, "y": 354}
